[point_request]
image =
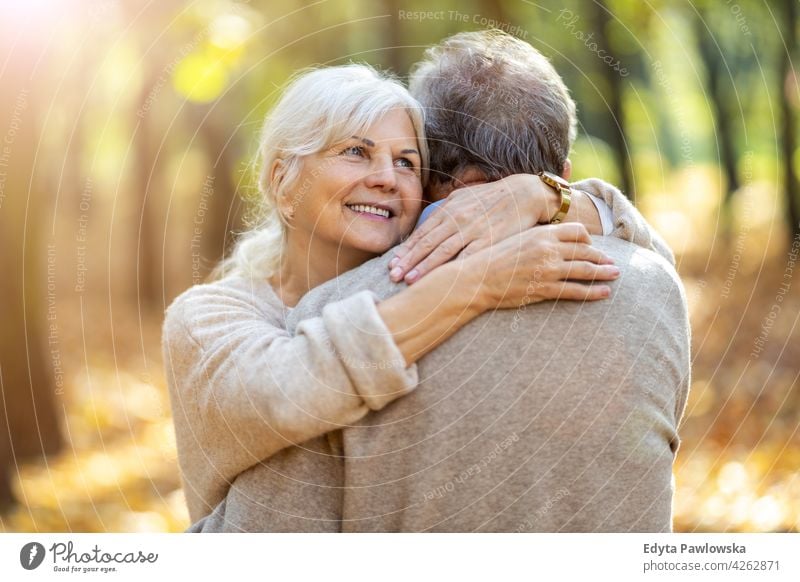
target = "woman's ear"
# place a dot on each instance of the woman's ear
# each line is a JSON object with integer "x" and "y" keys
{"x": 276, "y": 172}
{"x": 567, "y": 171}
{"x": 276, "y": 175}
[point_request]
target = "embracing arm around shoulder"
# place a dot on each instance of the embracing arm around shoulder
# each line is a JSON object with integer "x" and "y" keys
{"x": 474, "y": 217}
{"x": 552, "y": 262}
{"x": 242, "y": 388}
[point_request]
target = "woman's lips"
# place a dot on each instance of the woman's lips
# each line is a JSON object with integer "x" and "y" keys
{"x": 369, "y": 215}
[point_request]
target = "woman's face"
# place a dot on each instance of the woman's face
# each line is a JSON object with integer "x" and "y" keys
{"x": 363, "y": 194}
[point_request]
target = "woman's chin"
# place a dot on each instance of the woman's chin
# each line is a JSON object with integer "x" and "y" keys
{"x": 372, "y": 240}
{"x": 376, "y": 245}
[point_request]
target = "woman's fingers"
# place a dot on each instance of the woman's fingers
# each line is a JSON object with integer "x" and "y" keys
{"x": 572, "y": 232}
{"x": 574, "y": 291}
{"x": 584, "y": 252}
{"x": 440, "y": 255}
{"x": 587, "y": 271}
{"x": 421, "y": 247}
{"x": 427, "y": 226}
{"x": 473, "y": 247}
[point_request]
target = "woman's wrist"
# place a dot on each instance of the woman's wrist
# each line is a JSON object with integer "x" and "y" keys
{"x": 545, "y": 203}
{"x": 540, "y": 200}
{"x": 468, "y": 279}
{"x": 431, "y": 310}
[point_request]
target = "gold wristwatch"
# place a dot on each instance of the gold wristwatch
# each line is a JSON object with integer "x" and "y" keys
{"x": 561, "y": 186}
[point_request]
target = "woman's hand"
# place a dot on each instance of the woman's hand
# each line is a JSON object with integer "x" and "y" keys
{"x": 538, "y": 264}
{"x": 549, "y": 262}
{"x": 475, "y": 217}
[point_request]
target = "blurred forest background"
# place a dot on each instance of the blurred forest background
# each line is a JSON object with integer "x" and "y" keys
{"x": 127, "y": 133}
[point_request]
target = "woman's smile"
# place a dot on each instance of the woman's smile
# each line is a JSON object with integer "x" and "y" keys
{"x": 372, "y": 212}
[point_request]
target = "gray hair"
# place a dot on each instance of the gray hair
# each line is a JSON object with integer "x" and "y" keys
{"x": 319, "y": 108}
{"x": 495, "y": 102}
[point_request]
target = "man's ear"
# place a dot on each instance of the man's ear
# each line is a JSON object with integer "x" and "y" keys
{"x": 567, "y": 171}
{"x": 437, "y": 191}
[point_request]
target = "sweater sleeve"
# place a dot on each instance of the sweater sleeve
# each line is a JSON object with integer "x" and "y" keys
{"x": 243, "y": 388}
{"x": 629, "y": 224}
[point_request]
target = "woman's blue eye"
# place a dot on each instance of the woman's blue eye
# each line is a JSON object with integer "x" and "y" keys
{"x": 405, "y": 162}
{"x": 353, "y": 151}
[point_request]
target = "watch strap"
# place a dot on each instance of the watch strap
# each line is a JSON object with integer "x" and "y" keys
{"x": 564, "y": 192}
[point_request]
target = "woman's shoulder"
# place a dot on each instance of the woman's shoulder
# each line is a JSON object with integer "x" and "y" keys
{"x": 234, "y": 292}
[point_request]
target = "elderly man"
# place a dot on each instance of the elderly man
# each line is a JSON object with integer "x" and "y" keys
{"x": 561, "y": 416}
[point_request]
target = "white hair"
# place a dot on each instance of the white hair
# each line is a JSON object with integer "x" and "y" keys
{"x": 319, "y": 108}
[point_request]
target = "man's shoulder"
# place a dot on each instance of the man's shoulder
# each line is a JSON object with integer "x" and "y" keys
{"x": 632, "y": 254}
{"x": 639, "y": 265}
{"x": 648, "y": 288}
{"x": 372, "y": 275}
{"x": 373, "y": 270}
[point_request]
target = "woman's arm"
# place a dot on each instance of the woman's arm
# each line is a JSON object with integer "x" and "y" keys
{"x": 474, "y": 217}
{"x": 242, "y": 388}
{"x": 629, "y": 224}
{"x": 535, "y": 265}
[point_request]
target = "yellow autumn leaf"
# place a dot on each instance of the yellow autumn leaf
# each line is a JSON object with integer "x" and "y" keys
{"x": 200, "y": 77}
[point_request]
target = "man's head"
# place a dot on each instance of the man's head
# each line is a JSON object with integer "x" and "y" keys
{"x": 495, "y": 106}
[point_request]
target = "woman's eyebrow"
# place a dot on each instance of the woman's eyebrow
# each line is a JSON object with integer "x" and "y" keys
{"x": 367, "y": 142}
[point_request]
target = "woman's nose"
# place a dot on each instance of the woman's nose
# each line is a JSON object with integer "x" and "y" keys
{"x": 382, "y": 174}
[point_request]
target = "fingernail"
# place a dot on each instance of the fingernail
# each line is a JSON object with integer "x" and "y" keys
{"x": 606, "y": 291}
{"x": 609, "y": 261}
{"x": 393, "y": 262}
{"x": 396, "y": 274}
{"x": 412, "y": 276}
{"x": 614, "y": 271}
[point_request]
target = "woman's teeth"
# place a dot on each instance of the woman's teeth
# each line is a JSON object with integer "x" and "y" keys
{"x": 369, "y": 209}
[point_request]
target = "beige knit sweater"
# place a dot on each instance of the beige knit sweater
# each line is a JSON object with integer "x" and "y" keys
{"x": 246, "y": 391}
{"x": 243, "y": 388}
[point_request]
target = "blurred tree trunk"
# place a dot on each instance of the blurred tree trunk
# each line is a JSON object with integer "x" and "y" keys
{"x": 327, "y": 44}
{"x": 789, "y": 99}
{"x": 619, "y": 143}
{"x": 494, "y": 10}
{"x": 224, "y": 210}
{"x": 394, "y": 58}
{"x": 148, "y": 24}
{"x": 29, "y": 415}
{"x": 145, "y": 181}
{"x": 712, "y": 57}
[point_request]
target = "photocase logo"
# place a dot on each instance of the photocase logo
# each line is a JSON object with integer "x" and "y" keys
{"x": 31, "y": 555}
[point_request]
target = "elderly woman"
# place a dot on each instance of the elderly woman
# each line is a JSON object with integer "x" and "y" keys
{"x": 343, "y": 166}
